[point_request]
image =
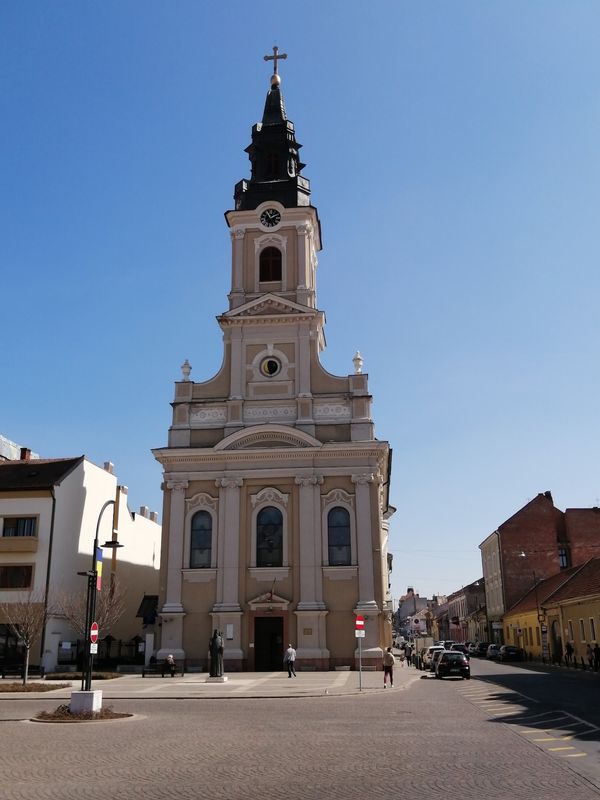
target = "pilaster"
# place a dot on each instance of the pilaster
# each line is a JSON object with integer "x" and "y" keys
{"x": 366, "y": 583}
{"x": 309, "y": 533}
{"x": 228, "y": 544}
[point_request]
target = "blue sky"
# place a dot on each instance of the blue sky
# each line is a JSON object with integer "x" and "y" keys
{"x": 453, "y": 154}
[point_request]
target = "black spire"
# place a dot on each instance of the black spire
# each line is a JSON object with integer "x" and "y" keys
{"x": 274, "y": 157}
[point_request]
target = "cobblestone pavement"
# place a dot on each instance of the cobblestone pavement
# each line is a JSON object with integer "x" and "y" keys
{"x": 422, "y": 739}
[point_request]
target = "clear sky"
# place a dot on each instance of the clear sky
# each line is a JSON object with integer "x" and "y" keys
{"x": 453, "y": 154}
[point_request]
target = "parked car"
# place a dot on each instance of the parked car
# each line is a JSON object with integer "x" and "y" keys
{"x": 435, "y": 659}
{"x": 509, "y": 652}
{"x": 492, "y": 651}
{"x": 429, "y": 654}
{"x": 474, "y": 649}
{"x": 479, "y": 649}
{"x": 452, "y": 664}
{"x": 461, "y": 648}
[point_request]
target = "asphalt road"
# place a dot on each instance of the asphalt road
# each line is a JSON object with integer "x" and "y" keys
{"x": 423, "y": 739}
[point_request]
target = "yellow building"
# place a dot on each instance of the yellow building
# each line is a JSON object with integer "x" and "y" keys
{"x": 563, "y": 608}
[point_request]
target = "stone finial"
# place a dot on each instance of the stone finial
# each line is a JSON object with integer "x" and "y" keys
{"x": 358, "y": 363}
{"x": 186, "y": 368}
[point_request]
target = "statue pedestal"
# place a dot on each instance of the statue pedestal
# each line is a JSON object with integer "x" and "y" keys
{"x": 221, "y": 679}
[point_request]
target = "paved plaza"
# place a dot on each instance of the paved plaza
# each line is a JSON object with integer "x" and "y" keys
{"x": 269, "y": 737}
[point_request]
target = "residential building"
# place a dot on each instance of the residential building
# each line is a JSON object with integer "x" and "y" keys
{"x": 276, "y": 490}
{"x": 560, "y": 609}
{"x": 538, "y": 539}
{"x": 50, "y": 512}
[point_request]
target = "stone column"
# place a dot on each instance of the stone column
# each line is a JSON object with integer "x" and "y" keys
{"x": 237, "y": 383}
{"x": 364, "y": 541}
{"x": 228, "y": 544}
{"x": 311, "y": 612}
{"x": 172, "y": 612}
{"x": 311, "y": 573}
{"x": 304, "y": 291}
{"x": 237, "y": 266}
{"x": 176, "y": 538}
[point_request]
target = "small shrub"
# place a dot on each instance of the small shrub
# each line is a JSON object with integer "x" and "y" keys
{"x": 32, "y": 687}
{"x": 63, "y": 714}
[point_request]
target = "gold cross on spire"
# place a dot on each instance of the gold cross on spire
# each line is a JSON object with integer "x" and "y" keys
{"x": 275, "y": 58}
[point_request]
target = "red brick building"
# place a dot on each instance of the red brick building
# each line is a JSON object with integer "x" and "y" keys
{"x": 538, "y": 541}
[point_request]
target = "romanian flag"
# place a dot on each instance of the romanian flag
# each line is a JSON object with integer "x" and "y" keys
{"x": 98, "y": 568}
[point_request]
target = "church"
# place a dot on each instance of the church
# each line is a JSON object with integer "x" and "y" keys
{"x": 276, "y": 491}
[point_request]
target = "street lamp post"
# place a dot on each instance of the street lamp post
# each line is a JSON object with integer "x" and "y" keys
{"x": 90, "y": 605}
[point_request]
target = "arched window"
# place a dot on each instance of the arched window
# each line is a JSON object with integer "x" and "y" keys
{"x": 269, "y": 268}
{"x": 338, "y": 537}
{"x": 269, "y": 537}
{"x": 201, "y": 540}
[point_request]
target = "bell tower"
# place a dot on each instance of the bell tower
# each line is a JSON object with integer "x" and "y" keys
{"x": 275, "y": 523}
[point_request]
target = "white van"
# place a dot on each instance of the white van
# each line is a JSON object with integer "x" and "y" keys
{"x": 429, "y": 654}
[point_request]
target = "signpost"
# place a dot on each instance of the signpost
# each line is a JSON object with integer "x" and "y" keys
{"x": 94, "y": 633}
{"x": 359, "y": 633}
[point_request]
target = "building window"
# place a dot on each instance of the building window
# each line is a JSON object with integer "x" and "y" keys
{"x": 571, "y": 637}
{"x": 201, "y": 540}
{"x": 338, "y": 537}
{"x": 19, "y": 526}
{"x": 269, "y": 537}
{"x": 271, "y": 165}
{"x": 563, "y": 557}
{"x": 537, "y": 636}
{"x": 269, "y": 265}
{"x": 582, "y": 630}
{"x": 592, "y": 630}
{"x": 15, "y": 577}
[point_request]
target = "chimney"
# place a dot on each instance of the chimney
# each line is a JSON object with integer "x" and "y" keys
{"x": 154, "y": 516}
{"x": 25, "y": 454}
{"x": 109, "y": 467}
{"x": 143, "y": 511}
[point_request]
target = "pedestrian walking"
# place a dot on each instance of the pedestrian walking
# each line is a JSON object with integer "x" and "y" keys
{"x": 589, "y": 654}
{"x": 407, "y": 654}
{"x": 568, "y": 653}
{"x": 388, "y": 667}
{"x": 596, "y": 657}
{"x": 289, "y": 659}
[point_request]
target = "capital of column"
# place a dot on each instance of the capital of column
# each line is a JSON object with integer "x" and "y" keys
{"x": 229, "y": 483}
{"x": 178, "y": 485}
{"x": 366, "y": 477}
{"x": 304, "y": 228}
{"x": 237, "y": 233}
{"x": 308, "y": 480}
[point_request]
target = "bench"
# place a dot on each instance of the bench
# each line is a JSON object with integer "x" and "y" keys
{"x": 17, "y": 667}
{"x": 162, "y": 669}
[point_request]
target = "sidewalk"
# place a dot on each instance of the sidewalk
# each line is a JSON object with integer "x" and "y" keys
{"x": 245, "y": 685}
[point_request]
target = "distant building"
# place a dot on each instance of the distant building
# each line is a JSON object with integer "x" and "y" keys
{"x": 49, "y": 513}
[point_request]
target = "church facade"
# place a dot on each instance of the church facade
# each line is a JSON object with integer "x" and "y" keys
{"x": 276, "y": 491}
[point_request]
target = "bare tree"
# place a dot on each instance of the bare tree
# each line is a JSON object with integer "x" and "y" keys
{"x": 110, "y": 607}
{"x": 26, "y": 617}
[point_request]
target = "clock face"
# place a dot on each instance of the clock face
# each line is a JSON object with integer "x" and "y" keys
{"x": 270, "y": 217}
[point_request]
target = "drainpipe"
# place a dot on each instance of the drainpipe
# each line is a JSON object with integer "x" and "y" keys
{"x": 48, "y": 567}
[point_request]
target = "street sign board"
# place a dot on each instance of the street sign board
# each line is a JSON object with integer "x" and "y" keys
{"x": 358, "y": 634}
{"x": 94, "y": 648}
{"x": 94, "y": 633}
{"x": 359, "y": 623}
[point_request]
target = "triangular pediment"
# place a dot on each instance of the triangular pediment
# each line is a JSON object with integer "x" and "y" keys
{"x": 269, "y": 305}
{"x": 268, "y": 599}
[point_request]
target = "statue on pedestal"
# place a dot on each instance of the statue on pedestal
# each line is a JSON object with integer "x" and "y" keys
{"x": 215, "y": 648}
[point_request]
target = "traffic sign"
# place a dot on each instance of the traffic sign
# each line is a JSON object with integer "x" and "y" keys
{"x": 359, "y": 624}
{"x": 94, "y": 633}
{"x": 358, "y": 634}
{"x": 94, "y": 648}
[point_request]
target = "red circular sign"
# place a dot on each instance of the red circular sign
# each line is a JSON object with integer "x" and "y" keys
{"x": 94, "y": 632}
{"x": 360, "y": 623}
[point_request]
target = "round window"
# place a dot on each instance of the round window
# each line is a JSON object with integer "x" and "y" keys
{"x": 270, "y": 367}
